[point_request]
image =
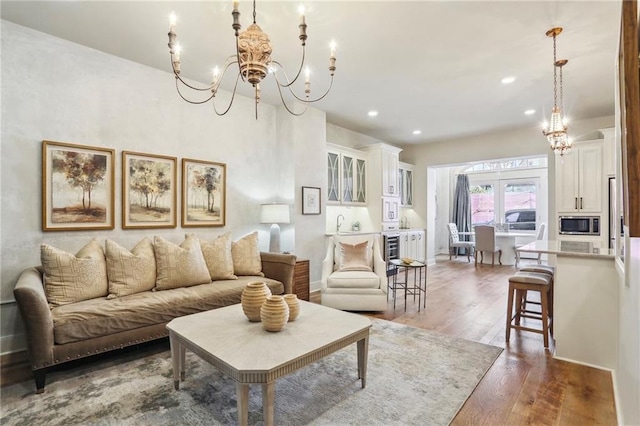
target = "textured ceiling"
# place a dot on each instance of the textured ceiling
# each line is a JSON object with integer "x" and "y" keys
{"x": 429, "y": 65}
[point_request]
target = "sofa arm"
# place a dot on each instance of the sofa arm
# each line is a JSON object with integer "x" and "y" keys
{"x": 36, "y": 315}
{"x": 279, "y": 267}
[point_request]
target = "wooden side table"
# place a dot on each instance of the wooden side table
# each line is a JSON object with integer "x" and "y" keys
{"x": 301, "y": 279}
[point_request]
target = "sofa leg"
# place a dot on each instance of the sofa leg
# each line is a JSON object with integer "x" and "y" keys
{"x": 39, "y": 376}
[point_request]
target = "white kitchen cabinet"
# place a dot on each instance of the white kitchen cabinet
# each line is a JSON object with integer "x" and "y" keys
{"x": 390, "y": 160}
{"x": 579, "y": 179}
{"x": 382, "y": 177}
{"x": 412, "y": 244}
{"x": 405, "y": 182}
{"x": 390, "y": 212}
{"x": 347, "y": 176}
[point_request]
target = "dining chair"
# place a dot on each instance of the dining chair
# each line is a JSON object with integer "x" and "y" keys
{"x": 486, "y": 241}
{"x": 539, "y": 236}
{"x": 455, "y": 243}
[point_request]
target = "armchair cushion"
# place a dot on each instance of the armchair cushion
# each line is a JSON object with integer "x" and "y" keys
{"x": 353, "y": 279}
{"x": 354, "y": 240}
{"x": 354, "y": 257}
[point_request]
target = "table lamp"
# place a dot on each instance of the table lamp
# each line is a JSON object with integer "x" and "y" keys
{"x": 274, "y": 214}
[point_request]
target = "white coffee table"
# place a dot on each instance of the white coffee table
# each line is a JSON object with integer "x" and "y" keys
{"x": 249, "y": 354}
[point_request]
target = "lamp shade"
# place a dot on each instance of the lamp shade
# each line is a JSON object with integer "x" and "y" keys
{"x": 274, "y": 213}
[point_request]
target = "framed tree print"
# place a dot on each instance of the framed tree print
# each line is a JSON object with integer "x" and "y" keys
{"x": 149, "y": 193}
{"x": 204, "y": 193}
{"x": 77, "y": 187}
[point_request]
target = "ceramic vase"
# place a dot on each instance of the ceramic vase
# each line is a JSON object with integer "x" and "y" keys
{"x": 294, "y": 306}
{"x": 274, "y": 313}
{"x": 253, "y": 296}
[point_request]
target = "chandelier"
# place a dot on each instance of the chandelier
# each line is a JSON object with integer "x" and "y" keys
{"x": 556, "y": 129}
{"x": 253, "y": 59}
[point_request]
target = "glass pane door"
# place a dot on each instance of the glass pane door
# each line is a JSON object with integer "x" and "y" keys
{"x": 361, "y": 181}
{"x": 333, "y": 184}
{"x": 520, "y": 204}
{"x": 409, "y": 187}
{"x": 483, "y": 197}
{"x": 347, "y": 179}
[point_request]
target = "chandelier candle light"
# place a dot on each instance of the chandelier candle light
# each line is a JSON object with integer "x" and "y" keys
{"x": 556, "y": 129}
{"x": 253, "y": 56}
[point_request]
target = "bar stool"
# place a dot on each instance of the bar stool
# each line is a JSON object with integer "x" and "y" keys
{"x": 519, "y": 284}
{"x": 541, "y": 269}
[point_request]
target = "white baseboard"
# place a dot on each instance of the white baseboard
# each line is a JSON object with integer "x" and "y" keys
{"x": 315, "y": 286}
{"x": 12, "y": 343}
{"x": 598, "y": 367}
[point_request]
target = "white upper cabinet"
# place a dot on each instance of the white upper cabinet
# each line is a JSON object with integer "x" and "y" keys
{"x": 390, "y": 160}
{"x": 405, "y": 182}
{"x": 383, "y": 189}
{"x": 579, "y": 179}
{"x": 347, "y": 176}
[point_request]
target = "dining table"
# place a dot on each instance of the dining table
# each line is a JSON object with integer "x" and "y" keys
{"x": 508, "y": 241}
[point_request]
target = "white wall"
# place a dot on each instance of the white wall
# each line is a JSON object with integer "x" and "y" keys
{"x": 345, "y": 137}
{"x": 505, "y": 144}
{"x": 307, "y": 166}
{"x": 56, "y": 90}
{"x": 628, "y": 373}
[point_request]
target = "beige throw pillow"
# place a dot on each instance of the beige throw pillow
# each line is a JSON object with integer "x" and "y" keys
{"x": 246, "y": 256}
{"x": 217, "y": 255}
{"x": 179, "y": 266}
{"x": 69, "y": 278}
{"x": 130, "y": 272}
{"x": 354, "y": 257}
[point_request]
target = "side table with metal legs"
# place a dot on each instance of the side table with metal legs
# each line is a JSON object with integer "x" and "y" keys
{"x": 417, "y": 287}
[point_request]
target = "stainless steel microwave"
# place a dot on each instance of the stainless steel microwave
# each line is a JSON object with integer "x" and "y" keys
{"x": 579, "y": 225}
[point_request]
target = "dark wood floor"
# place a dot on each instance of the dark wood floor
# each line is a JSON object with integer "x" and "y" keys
{"x": 525, "y": 385}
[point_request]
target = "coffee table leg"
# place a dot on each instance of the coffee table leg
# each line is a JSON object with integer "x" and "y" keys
{"x": 268, "y": 401}
{"x": 242, "y": 391}
{"x": 177, "y": 361}
{"x": 363, "y": 354}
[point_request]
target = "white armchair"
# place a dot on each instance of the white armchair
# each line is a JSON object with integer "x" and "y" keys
{"x": 354, "y": 283}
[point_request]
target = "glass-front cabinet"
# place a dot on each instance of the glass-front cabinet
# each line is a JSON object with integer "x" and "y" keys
{"x": 405, "y": 184}
{"x": 333, "y": 186}
{"x": 361, "y": 180}
{"x": 347, "y": 176}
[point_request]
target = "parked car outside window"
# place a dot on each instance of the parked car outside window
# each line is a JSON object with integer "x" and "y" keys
{"x": 521, "y": 219}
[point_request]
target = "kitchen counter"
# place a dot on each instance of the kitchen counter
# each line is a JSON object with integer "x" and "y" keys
{"x": 567, "y": 248}
{"x": 585, "y": 301}
{"x": 341, "y": 233}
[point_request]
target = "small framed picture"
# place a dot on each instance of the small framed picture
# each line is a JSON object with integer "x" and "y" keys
{"x": 204, "y": 192}
{"x": 310, "y": 200}
{"x": 77, "y": 187}
{"x": 148, "y": 191}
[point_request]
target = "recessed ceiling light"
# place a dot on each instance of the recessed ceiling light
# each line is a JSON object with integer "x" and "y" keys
{"x": 372, "y": 113}
{"x": 508, "y": 80}
{"x": 530, "y": 111}
{"x": 417, "y": 132}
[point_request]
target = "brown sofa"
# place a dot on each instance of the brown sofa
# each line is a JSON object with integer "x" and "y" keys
{"x": 56, "y": 335}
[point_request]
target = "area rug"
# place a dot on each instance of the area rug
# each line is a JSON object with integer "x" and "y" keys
{"x": 415, "y": 377}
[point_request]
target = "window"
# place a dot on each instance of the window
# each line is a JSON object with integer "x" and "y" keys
{"x": 482, "y": 204}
